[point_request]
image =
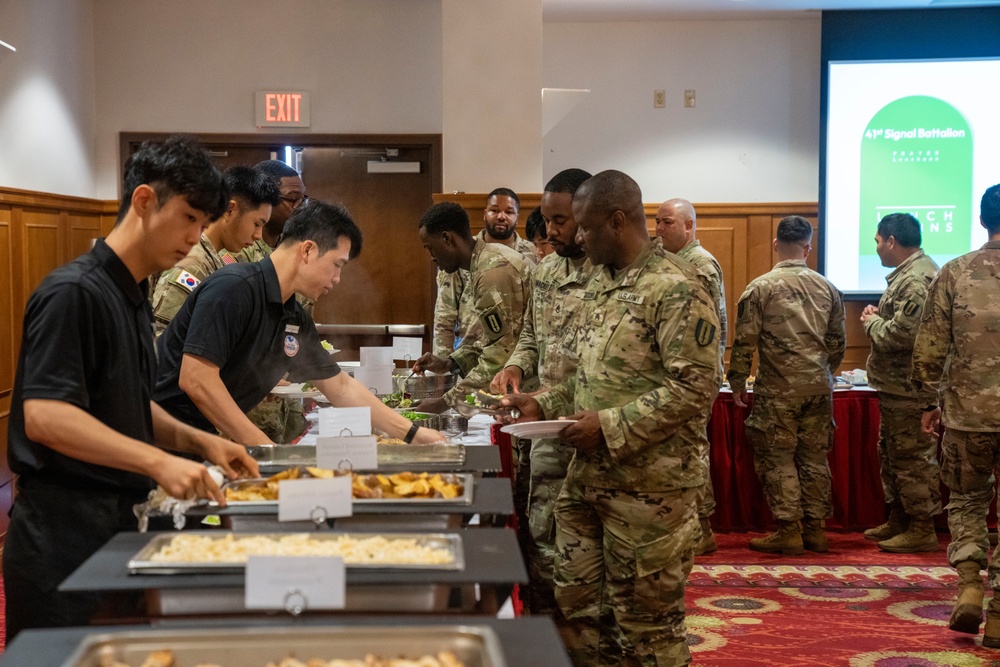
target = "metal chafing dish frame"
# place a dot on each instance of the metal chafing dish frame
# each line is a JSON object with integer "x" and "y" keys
{"x": 389, "y": 456}
{"x": 465, "y": 498}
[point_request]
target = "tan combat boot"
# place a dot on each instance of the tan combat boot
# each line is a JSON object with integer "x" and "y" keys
{"x": 814, "y": 535}
{"x": 968, "y": 611}
{"x": 918, "y": 538}
{"x": 991, "y": 636}
{"x": 708, "y": 544}
{"x": 787, "y": 540}
{"x": 894, "y": 525}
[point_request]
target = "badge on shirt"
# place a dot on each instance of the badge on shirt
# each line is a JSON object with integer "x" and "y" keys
{"x": 291, "y": 328}
{"x": 704, "y": 332}
{"x": 910, "y": 308}
{"x": 492, "y": 321}
{"x": 630, "y": 297}
{"x": 291, "y": 346}
{"x": 741, "y": 308}
{"x": 186, "y": 280}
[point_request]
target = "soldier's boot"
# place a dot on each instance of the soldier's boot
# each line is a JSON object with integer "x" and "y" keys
{"x": 968, "y": 611}
{"x": 814, "y": 535}
{"x": 991, "y": 636}
{"x": 787, "y": 540}
{"x": 708, "y": 544}
{"x": 918, "y": 538}
{"x": 894, "y": 525}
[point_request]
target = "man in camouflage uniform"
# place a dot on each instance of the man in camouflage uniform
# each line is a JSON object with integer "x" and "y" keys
{"x": 499, "y": 284}
{"x": 454, "y": 314}
{"x": 252, "y": 195}
{"x": 794, "y": 317}
{"x": 955, "y": 357}
{"x": 908, "y": 457}
{"x": 675, "y": 225}
{"x": 626, "y": 517}
{"x": 546, "y": 350}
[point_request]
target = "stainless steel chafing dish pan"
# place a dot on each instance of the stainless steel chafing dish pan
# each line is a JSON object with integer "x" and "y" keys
{"x": 466, "y": 481}
{"x": 388, "y": 455}
{"x": 475, "y": 646}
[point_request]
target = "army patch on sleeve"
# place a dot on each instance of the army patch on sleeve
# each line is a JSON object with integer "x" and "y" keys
{"x": 186, "y": 280}
{"x": 704, "y": 332}
{"x": 492, "y": 321}
{"x": 910, "y": 308}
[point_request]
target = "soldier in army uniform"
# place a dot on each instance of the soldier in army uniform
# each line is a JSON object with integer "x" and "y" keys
{"x": 955, "y": 358}
{"x": 546, "y": 350}
{"x": 626, "y": 517}
{"x": 498, "y": 286}
{"x": 454, "y": 314}
{"x": 794, "y": 318}
{"x": 675, "y": 226}
{"x": 908, "y": 457}
{"x": 252, "y": 195}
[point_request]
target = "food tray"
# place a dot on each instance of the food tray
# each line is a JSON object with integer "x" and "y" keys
{"x": 142, "y": 563}
{"x": 465, "y": 498}
{"x": 281, "y": 455}
{"x": 475, "y": 646}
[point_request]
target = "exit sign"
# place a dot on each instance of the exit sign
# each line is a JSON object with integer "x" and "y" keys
{"x": 277, "y": 108}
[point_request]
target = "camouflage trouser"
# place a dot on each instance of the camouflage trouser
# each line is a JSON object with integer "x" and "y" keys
{"x": 281, "y": 419}
{"x": 791, "y": 439}
{"x": 908, "y": 457}
{"x": 621, "y": 562}
{"x": 549, "y": 461}
{"x": 706, "y": 494}
{"x": 968, "y": 460}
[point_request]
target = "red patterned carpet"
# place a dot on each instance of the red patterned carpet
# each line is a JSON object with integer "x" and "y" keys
{"x": 854, "y": 607}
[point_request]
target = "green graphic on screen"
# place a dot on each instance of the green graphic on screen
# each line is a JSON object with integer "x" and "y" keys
{"x": 916, "y": 157}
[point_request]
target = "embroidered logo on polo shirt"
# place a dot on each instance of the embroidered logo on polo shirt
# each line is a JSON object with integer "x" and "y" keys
{"x": 186, "y": 280}
{"x": 291, "y": 346}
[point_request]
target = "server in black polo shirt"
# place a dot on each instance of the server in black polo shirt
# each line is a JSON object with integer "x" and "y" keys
{"x": 81, "y": 418}
{"x": 241, "y": 330}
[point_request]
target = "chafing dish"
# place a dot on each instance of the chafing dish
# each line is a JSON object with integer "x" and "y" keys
{"x": 465, "y": 481}
{"x": 424, "y": 386}
{"x": 388, "y": 455}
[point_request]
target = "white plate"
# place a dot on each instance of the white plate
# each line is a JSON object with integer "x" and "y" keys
{"x": 542, "y": 429}
{"x": 294, "y": 390}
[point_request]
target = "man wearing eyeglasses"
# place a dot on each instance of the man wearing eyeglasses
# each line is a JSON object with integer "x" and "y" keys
{"x": 293, "y": 195}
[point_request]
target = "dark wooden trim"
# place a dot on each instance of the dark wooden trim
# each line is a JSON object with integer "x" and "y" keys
{"x": 43, "y": 200}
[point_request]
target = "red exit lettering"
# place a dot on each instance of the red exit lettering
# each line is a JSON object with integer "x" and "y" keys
{"x": 282, "y": 108}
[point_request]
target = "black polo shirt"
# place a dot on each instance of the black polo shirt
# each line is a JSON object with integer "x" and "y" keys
{"x": 236, "y": 319}
{"x": 88, "y": 341}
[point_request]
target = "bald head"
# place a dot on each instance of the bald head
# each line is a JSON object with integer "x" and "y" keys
{"x": 611, "y": 191}
{"x": 675, "y": 224}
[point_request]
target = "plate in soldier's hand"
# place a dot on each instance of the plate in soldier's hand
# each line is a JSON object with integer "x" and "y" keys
{"x": 541, "y": 429}
{"x": 295, "y": 390}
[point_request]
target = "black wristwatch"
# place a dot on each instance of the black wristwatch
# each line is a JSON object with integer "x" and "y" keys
{"x": 411, "y": 434}
{"x": 930, "y": 408}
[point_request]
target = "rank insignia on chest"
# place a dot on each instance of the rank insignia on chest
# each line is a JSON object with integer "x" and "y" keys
{"x": 186, "y": 280}
{"x": 704, "y": 332}
{"x": 629, "y": 297}
{"x": 910, "y": 308}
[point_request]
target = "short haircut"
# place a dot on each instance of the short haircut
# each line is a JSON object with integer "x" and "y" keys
{"x": 901, "y": 226}
{"x": 535, "y": 226}
{"x": 446, "y": 217}
{"x": 276, "y": 168}
{"x": 323, "y": 224}
{"x": 252, "y": 188}
{"x": 177, "y": 166}
{"x": 989, "y": 209}
{"x": 567, "y": 180}
{"x": 504, "y": 192}
{"x": 795, "y": 229}
{"x": 611, "y": 191}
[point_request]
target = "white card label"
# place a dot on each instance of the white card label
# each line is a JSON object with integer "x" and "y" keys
{"x": 357, "y": 453}
{"x": 408, "y": 349}
{"x": 378, "y": 378}
{"x": 345, "y": 421}
{"x": 314, "y": 499}
{"x": 376, "y": 356}
{"x": 295, "y": 583}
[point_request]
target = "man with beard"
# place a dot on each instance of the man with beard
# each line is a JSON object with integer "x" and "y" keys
{"x": 546, "y": 349}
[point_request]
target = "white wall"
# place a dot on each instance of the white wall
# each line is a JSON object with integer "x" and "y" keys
{"x": 752, "y": 136}
{"x": 372, "y": 66}
{"x": 47, "y": 96}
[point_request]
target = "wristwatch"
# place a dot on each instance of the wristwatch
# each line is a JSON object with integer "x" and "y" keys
{"x": 411, "y": 434}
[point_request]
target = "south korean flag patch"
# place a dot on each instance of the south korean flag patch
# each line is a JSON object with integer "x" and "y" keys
{"x": 186, "y": 280}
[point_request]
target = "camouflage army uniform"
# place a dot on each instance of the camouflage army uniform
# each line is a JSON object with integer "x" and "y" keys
{"x": 173, "y": 286}
{"x": 708, "y": 265}
{"x": 794, "y": 317}
{"x": 547, "y": 348}
{"x": 626, "y": 518}
{"x": 908, "y": 457}
{"x": 499, "y": 285}
{"x": 454, "y": 315}
{"x": 957, "y": 356}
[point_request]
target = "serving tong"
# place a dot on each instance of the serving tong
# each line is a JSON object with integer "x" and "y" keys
{"x": 489, "y": 405}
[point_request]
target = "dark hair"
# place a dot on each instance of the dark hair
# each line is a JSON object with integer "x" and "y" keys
{"x": 611, "y": 191}
{"x": 794, "y": 229}
{"x": 323, "y": 224}
{"x": 276, "y": 168}
{"x": 989, "y": 209}
{"x": 446, "y": 217}
{"x": 535, "y": 226}
{"x": 504, "y": 192}
{"x": 901, "y": 226}
{"x": 252, "y": 188}
{"x": 567, "y": 180}
{"x": 177, "y": 166}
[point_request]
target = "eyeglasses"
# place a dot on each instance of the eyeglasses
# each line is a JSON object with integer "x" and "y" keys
{"x": 295, "y": 202}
